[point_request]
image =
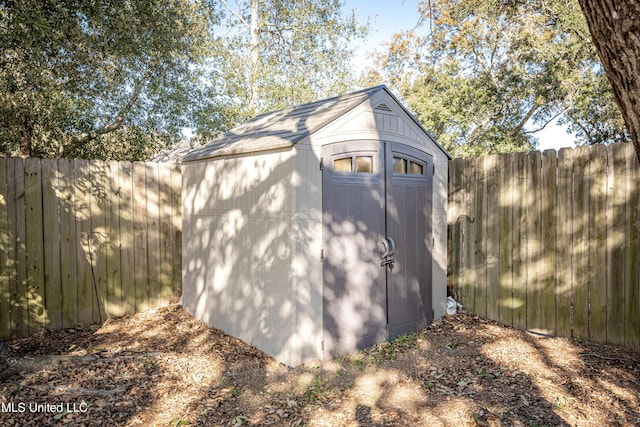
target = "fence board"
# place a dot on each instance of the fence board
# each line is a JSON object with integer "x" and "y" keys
{"x": 549, "y": 220}
{"x": 140, "y": 260}
{"x": 69, "y": 245}
{"x": 468, "y": 232}
{"x": 52, "y": 249}
{"x": 165, "y": 278}
{"x": 127, "y": 247}
{"x": 82, "y": 208}
{"x": 153, "y": 232}
{"x": 480, "y": 243}
{"x": 19, "y": 300}
{"x": 521, "y": 195}
{"x": 98, "y": 239}
{"x": 617, "y": 243}
{"x": 112, "y": 223}
{"x": 564, "y": 251}
{"x": 506, "y": 236}
{"x": 597, "y": 268}
{"x": 492, "y": 236}
{"x": 35, "y": 245}
{"x": 176, "y": 209}
{"x": 455, "y": 231}
{"x": 632, "y": 279}
{"x": 580, "y": 241}
{"x": 5, "y": 265}
{"x": 534, "y": 237}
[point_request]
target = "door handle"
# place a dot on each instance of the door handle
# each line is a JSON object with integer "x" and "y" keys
{"x": 385, "y": 248}
{"x": 392, "y": 244}
{"x": 388, "y": 247}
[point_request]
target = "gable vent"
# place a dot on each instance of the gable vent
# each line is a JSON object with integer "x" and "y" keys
{"x": 383, "y": 107}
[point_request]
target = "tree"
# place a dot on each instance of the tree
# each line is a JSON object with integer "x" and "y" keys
{"x": 121, "y": 79}
{"x": 73, "y": 74}
{"x": 615, "y": 30}
{"x": 489, "y": 74}
{"x": 283, "y": 52}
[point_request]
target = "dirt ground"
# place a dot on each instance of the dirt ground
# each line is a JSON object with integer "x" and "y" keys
{"x": 164, "y": 368}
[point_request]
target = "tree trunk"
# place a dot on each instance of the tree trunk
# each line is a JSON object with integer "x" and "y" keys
{"x": 615, "y": 30}
{"x": 254, "y": 46}
{"x": 26, "y": 137}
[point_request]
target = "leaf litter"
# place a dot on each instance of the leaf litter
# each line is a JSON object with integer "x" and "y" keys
{"x": 164, "y": 368}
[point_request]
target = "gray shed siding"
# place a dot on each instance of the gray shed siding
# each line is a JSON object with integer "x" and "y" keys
{"x": 251, "y": 250}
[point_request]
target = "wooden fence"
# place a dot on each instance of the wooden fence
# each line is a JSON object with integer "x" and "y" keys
{"x": 84, "y": 240}
{"x": 550, "y": 241}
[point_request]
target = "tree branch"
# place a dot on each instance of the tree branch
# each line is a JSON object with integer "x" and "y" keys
{"x": 586, "y": 132}
{"x": 120, "y": 117}
{"x": 564, "y": 110}
{"x": 61, "y": 390}
{"x": 516, "y": 129}
{"x": 233, "y": 12}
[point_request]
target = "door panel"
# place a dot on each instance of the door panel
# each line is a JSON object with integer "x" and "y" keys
{"x": 408, "y": 222}
{"x": 354, "y": 300}
{"x": 364, "y": 302}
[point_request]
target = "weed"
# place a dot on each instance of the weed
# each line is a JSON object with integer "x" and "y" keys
{"x": 483, "y": 373}
{"x": 475, "y": 417}
{"x": 15, "y": 391}
{"x": 61, "y": 415}
{"x": 178, "y": 422}
{"x": 148, "y": 364}
{"x": 239, "y": 420}
{"x": 356, "y": 360}
{"x": 406, "y": 342}
{"x": 318, "y": 389}
{"x": 235, "y": 391}
{"x": 557, "y": 404}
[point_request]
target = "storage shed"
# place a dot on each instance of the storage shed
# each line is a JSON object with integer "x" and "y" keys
{"x": 319, "y": 229}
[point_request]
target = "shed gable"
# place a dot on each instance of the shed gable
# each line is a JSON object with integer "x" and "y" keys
{"x": 381, "y": 116}
{"x": 375, "y": 111}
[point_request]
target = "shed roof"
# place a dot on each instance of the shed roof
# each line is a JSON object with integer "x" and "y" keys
{"x": 283, "y": 128}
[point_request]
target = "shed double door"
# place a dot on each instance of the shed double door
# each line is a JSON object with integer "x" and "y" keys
{"x": 377, "y": 243}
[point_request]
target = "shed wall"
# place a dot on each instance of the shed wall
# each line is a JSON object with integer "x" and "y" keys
{"x": 307, "y": 264}
{"x": 238, "y": 247}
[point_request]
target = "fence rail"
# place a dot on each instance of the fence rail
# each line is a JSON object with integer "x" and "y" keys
{"x": 83, "y": 240}
{"x": 550, "y": 241}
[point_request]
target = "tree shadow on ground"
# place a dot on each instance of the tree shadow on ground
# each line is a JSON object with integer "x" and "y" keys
{"x": 162, "y": 366}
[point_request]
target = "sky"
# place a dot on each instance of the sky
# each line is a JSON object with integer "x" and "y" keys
{"x": 388, "y": 17}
